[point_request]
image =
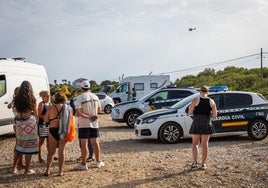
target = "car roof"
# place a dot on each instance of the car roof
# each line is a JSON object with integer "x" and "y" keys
{"x": 259, "y": 99}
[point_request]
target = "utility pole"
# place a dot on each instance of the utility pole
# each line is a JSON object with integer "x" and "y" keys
{"x": 261, "y": 67}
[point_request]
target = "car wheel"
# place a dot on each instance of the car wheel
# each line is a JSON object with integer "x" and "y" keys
{"x": 258, "y": 129}
{"x": 131, "y": 118}
{"x": 107, "y": 109}
{"x": 170, "y": 133}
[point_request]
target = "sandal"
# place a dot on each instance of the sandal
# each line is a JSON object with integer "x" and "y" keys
{"x": 46, "y": 174}
{"x": 41, "y": 160}
{"x": 60, "y": 174}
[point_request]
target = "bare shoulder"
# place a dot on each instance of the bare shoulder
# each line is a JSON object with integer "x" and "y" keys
{"x": 212, "y": 102}
{"x": 195, "y": 100}
{"x": 40, "y": 105}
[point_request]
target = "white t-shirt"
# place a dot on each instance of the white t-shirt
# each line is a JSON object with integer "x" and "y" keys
{"x": 88, "y": 103}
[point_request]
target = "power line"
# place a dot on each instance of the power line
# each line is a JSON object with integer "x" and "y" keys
{"x": 221, "y": 62}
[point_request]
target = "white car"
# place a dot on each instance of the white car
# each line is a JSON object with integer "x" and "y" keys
{"x": 238, "y": 113}
{"x": 160, "y": 98}
{"x": 107, "y": 102}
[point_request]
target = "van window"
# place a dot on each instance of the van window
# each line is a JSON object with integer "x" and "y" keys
{"x": 139, "y": 86}
{"x": 2, "y": 85}
{"x": 153, "y": 85}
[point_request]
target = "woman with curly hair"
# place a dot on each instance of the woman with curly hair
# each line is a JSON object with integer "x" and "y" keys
{"x": 26, "y": 126}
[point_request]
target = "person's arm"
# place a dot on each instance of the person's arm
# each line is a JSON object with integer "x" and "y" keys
{"x": 81, "y": 114}
{"x": 99, "y": 107}
{"x": 192, "y": 106}
{"x": 214, "y": 109}
{"x": 40, "y": 109}
{"x": 46, "y": 116}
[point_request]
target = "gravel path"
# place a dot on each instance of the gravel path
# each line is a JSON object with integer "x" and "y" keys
{"x": 134, "y": 162}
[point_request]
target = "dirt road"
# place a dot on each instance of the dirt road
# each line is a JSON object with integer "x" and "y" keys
{"x": 134, "y": 162}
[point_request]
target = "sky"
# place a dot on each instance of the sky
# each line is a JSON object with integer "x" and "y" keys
{"x": 107, "y": 39}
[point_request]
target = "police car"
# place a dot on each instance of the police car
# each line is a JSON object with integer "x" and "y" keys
{"x": 238, "y": 113}
{"x": 160, "y": 98}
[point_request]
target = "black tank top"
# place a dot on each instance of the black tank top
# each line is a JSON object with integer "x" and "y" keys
{"x": 203, "y": 107}
{"x": 41, "y": 120}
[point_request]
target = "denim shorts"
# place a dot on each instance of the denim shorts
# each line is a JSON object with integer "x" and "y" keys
{"x": 88, "y": 133}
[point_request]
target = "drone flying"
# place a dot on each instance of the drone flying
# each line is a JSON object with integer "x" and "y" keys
{"x": 191, "y": 29}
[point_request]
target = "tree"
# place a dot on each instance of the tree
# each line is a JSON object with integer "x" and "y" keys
{"x": 236, "y": 78}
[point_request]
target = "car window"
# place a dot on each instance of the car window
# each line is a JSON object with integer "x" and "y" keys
{"x": 185, "y": 101}
{"x": 178, "y": 94}
{"x": 235, "y": 100}
{"x": 217, "y": 100}
{"x": 100, "y": 96}
{"x": 122, "y": 88}
{"x": 261, "y": 96}
{"x": 162, "y": 95}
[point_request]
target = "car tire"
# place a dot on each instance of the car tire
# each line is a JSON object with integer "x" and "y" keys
{"x": 258, "y": 129}
{"x": 107, "y": 109}
{"x": 131, "y": 118}
{"x": 170, "y": 133}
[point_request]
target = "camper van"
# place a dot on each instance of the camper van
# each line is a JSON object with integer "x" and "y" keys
{"x": 12, "y": 73}
{"x": 135, "y": 87}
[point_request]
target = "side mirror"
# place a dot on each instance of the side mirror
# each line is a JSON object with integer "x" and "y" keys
{"x": 151, "y": 100}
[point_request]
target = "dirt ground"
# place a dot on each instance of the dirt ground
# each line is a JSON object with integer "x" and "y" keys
{"x": 133, "y": 162}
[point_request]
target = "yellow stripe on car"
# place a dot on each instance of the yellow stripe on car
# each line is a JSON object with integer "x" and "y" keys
{"x": 234, "y": 123}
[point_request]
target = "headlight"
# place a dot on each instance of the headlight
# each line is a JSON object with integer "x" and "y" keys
{"x": 150, "y": 120}
{"x": 117, "y": 111}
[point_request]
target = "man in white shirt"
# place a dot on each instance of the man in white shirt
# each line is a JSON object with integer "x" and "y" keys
{"x": 87, "y": 108}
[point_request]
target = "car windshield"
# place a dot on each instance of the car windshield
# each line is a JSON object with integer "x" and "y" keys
{"x": 184, "y": 101}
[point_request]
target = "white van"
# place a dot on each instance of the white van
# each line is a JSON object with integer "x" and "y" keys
{"x": 12, "y": 73}
{"x": 140, "y": 85}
